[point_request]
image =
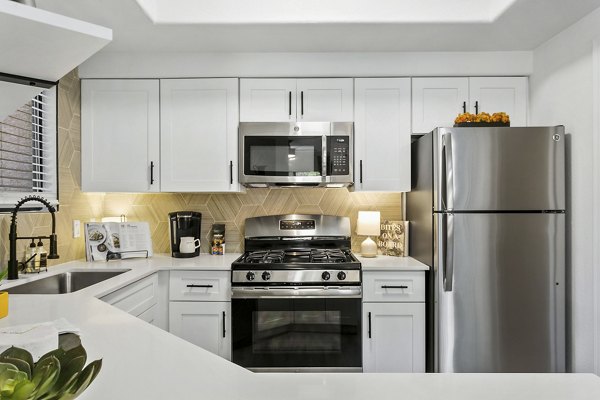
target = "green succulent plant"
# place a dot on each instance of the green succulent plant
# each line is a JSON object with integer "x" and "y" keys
{"x": 58, "y": 375}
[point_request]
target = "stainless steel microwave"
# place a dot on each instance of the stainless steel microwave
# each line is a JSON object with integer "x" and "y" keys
{"x": 296, "y": 154}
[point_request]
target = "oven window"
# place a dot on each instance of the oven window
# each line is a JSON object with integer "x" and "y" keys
{"x": 283, "y": 155}
{"x": 297, "y": 333}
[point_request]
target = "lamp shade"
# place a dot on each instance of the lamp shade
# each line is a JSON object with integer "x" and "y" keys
{"x": 368, "y": 223}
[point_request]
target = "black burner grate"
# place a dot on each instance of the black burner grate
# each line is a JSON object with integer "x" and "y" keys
{"x": 265, "y": 257}
{"x": 327, "y": 256}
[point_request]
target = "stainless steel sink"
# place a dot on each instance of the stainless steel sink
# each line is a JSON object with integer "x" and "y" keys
{"x": 67, "y": 282}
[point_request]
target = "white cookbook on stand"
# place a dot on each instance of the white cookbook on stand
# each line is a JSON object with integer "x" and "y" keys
{"x": 117, "y": 240}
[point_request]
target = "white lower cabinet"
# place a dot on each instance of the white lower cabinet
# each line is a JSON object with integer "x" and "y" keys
{"x": 393, "y": 321}
{"x": 394, "y": 337}
{"x": 200, "y": 309}
{"x": 203, "y": 323}
{"x": 143, "y": 299}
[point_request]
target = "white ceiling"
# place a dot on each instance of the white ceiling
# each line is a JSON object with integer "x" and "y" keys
{"x": 319, "y": 11}
{"x": 408, "y": 25}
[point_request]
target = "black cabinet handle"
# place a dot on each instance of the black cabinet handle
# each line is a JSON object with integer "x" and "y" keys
{"x": 360, "y": 172}
{"x": 394, "y": 287}
{"x": 199, "y": 286}
{"x": 290, "y": 103}
{"x": 152, "y": 172}
{"x": 464, "y": 106}
{"x": 231, "y": 172}
{"x": 302, "y": 103}
{"x": 476, "y": 107}
{"x": 369, "y": 325}
{"x": 224, "y": 331}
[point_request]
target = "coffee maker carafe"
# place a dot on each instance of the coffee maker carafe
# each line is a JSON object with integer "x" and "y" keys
{"x": 184, "y": 224}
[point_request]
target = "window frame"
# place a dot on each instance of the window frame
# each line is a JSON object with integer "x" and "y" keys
{"x": 9, "y": 199}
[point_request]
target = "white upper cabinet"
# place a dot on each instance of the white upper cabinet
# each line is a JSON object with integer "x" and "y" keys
{"x": 500, "y": 94}
{"x": 325, "y": 100}
{"x": 290, "y": 100}
{"x": 437, "y": 102}
{"x": 382, "y": 134}
{"x": 199, "y": 135}
{"x": 120, "y": 135}
{"x": 263, "y": 100}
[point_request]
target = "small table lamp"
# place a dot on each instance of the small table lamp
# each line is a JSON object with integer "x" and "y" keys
{"x": 368, "y": 224}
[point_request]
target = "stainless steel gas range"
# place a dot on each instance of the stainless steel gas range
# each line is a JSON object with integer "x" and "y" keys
{"x": 296, "y": 296}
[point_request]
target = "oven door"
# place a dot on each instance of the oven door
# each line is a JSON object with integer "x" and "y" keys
{"x": 297, "y": 332}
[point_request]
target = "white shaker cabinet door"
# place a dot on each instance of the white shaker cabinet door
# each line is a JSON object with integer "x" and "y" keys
{"x": 437, "y": 101}
{"x": 500, "y": 94}
{"x": 199, "y": 141}
{"x": 394, "y": 337}
{"x": 382, "y": 134}
{"x": 267, "y": 100}
{"x": 205, "y": 324}
{"x": 120, "y": 135}
{"x": 325, "y": 99}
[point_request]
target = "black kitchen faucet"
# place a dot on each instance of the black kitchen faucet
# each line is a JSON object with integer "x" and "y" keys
{"x": 13, "y": 264}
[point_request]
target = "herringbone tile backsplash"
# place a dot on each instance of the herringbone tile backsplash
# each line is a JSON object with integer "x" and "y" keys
{"x": 232, "y": 209}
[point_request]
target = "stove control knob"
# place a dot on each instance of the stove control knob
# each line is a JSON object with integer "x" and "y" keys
{"x": 325, "y": 275}
{"x": 266, "y": 275}
{"x": 250, "y": 276}
{"x": 341, "y": 275}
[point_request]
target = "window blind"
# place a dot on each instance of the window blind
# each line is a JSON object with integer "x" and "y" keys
{"x": 28, "y": 151}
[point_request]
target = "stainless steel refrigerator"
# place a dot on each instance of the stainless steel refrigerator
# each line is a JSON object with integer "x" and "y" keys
{"x": 487, "y": 213}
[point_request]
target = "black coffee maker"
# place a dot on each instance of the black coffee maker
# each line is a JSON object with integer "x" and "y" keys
{"x": 182, "y": 224}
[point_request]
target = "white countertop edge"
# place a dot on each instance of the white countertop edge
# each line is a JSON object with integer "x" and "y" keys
{"x": 390, "y": 263}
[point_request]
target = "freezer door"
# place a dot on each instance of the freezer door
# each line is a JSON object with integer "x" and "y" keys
{"x": 500, "y": 298}
{"x": 489, "y": 169}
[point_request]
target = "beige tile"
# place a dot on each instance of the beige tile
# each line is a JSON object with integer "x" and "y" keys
{"x": 280, "y": 201}
{"x": 224, "y": 207}
{"x": 253, "y": 196}
{"x": 336, "y": 202}
{"x": 308, "y": 196}
{"x": 196, "y": 199}
{"x": 308, "y": 209}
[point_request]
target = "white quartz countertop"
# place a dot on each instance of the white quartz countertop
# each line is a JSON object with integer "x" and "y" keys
{"x": 389, "y": 263}
{"x": 141, "y": 361}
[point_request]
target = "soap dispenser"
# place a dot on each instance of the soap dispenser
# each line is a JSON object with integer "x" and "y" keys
{"x": 42, "y": 256}
{"x": 31, "y": 256}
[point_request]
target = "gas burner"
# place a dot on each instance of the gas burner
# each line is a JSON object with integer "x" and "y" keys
{"x": 327, "y": 256}
{"x": 265, "y": 257}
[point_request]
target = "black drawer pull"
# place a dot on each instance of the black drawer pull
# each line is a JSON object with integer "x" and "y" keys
{"x": 224, "y": 331}
{"x": 394, "y": 287}
{"x": 199, "y": 286}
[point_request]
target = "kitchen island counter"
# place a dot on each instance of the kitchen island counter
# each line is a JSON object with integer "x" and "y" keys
{"x": 141, "y": 361}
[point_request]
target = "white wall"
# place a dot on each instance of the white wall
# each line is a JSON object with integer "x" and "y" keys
{"x": 561, "y": 92}
{"x": 189, "y": 65}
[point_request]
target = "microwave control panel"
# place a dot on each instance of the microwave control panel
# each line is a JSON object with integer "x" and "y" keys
{"x": 338, "y": 155}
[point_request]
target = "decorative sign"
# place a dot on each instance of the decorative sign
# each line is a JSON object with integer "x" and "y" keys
{"x": 393, "y": 240}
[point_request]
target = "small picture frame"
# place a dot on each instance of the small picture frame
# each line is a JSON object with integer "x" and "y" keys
{"x": 393, "y": 240}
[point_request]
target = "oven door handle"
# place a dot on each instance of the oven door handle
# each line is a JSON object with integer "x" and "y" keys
{"x": 350, "y": 292}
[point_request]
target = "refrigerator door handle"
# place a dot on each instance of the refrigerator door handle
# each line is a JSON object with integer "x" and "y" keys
{"x": 448, "y": 250}
{"x": 447, "y": 175}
